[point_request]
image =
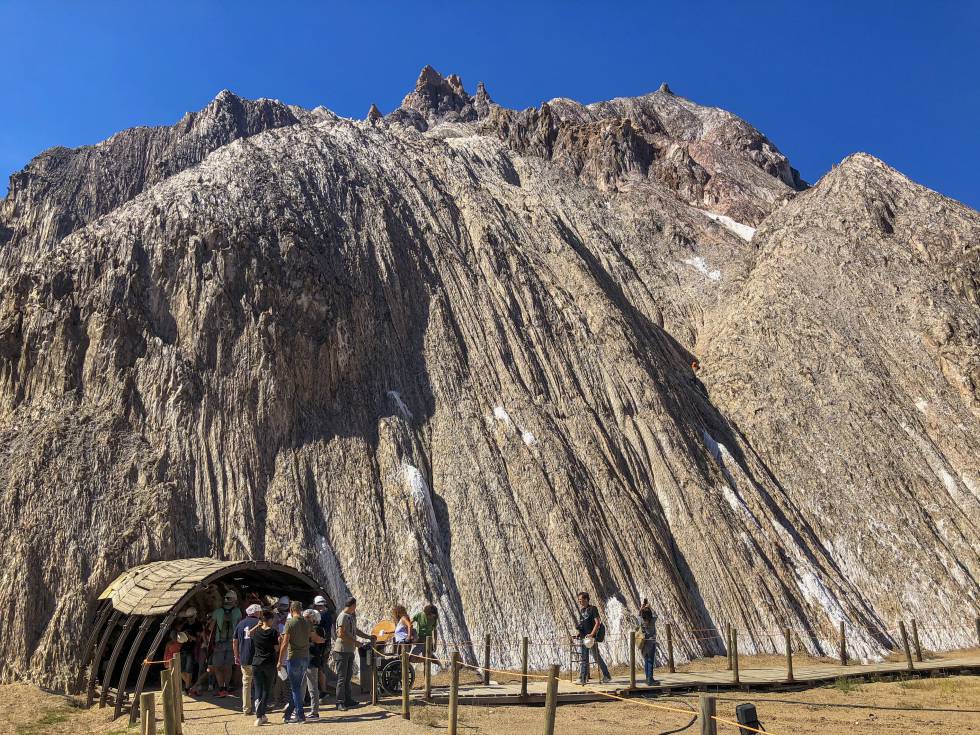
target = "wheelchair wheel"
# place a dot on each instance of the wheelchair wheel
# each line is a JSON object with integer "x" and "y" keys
{"x": 390, "y": 676}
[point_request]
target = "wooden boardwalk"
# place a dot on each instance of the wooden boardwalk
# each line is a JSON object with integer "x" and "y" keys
{"x": 750, "y": 679}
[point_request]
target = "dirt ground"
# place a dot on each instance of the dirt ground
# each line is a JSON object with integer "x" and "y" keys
{"x": 933, "y": 705}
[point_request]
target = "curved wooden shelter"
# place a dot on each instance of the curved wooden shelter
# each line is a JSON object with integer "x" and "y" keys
{"x": 149, "y": 597}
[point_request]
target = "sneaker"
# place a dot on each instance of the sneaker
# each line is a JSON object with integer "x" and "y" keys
{"x": 341, "y": 707}
{"x": 605, "y": 680}
{"x": 222, "y": 693}
{"x": 313, "y": 716}
{"x": 258, "y": 721}
{"x": 581, "y": 682}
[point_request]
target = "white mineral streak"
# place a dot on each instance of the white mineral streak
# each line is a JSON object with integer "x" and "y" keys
{"x": 743, "y": 231}
{"x": 396, "y": 397}
{"x": 698, "y": 264}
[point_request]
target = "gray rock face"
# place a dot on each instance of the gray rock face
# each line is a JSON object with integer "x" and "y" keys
{"x": 445, "y": 355}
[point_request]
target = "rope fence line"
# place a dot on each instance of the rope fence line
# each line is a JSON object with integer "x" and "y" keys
{"x": 502, "y": 647}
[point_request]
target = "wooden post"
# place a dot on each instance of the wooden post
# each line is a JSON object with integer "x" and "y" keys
{"x": 843, "y": 645}
{"x": 428, "y": 668}
{"x": 406, "y": 715}
{"x": 789, "y": 657}
{"x": 486, "y": 660}
{"x": 978, "y": 631}
{"x": 179, "y": 691}
{"x": 905, "y": 644}
{"x": 734, "y": 654}
{"x": 632, "y": 659}
{"x": 148, "y": 714}
{"x": 728, "y": 643}
{"x": 454, "y": 694}
{"x": 706, "y": 714}
{"x": 167, "y": 703}
{"x": 524, "y": 644}
{"x": 374, "y": 674}
{"x": 915, "y": 641}
{"x": 551, "y": 701}
{"x": 670, "y": 648}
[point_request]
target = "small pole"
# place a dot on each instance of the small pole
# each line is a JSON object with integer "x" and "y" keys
{"x": 728, "y": 640}
{"x": 632, "y": 659}
{"x": 789, "y": 657}
{"x": 428, "y": 668}
{"x": 571, "y": 655}
{"x": 374, "y": 674}
{"x": 978, "y": 631}
{"x": 551, "y": 701}
{"x": 524, "y": 644}
{"x": 706, "y": 713}
{"x": 406, "y": 715}
{"x": 670, "y": 648}
{"x": 905, "y": 644}
{"x": 148, "y": 714}
{"x": 486, "y": 660}
{"x": 734, "y": 654}
{"x": 843, "y": 645}
{"x": 178, "y": 692}
{"x": 454, "y": 694}
{"x": 915, "y": 641}
{"x": 167, "y": 702}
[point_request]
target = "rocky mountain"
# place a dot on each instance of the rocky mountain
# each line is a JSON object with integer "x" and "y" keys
{"x": 446, "y": 354}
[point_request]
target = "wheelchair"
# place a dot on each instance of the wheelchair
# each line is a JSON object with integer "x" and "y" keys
{"x": 389, "y": 662}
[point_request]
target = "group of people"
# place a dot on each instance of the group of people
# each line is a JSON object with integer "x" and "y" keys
{"x": 279, "y": 644}
{"x": 591, "y": 630}
{"x": 275, "y": 645}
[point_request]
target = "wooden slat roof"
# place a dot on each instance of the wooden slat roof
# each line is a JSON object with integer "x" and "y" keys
{"x": 156, "y": 588}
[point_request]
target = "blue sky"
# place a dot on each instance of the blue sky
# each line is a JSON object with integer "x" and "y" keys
{"x": 822, "y": 80}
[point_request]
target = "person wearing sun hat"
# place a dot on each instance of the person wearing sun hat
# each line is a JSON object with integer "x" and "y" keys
{"x": 224, "y": 620}
{"x": 242, "y": 648}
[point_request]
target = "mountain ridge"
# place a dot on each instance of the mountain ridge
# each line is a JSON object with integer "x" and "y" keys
{"x": 454, "y": 364}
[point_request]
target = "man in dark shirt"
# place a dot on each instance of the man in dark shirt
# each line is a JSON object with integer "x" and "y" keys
{"x": 265, "y": 653}
{"x": 588, "y": 626}
{"x": 321, "y": 605}
{"x": 242, "y": 647}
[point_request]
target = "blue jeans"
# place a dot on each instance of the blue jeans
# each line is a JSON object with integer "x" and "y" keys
{"x": 649, "y": 658}
{"x": 296, "y": 673}
{"x": 584, "y": 672}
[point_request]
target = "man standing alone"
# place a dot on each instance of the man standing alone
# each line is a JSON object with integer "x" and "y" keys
{"x": 343, "y": 649}
{"x": 589, "y": 625}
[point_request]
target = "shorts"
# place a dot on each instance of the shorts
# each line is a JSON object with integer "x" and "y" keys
{"x": 222, "y": 655}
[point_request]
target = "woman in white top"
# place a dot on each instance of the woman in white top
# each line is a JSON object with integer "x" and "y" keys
{"x": 403, "y": 626}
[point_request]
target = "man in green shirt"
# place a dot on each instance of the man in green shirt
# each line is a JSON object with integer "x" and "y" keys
{"x": 424, "y": 624}
{"x": 294, "y": 655}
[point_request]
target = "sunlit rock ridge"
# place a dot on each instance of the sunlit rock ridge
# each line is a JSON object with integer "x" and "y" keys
{"x": 445, "y": 353}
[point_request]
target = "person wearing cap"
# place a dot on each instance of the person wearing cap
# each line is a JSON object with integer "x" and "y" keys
{"x": 321, "y": 605}
{"x": 224, "y": 620}
{"x": 242, "y": 648}
{"x": 188, "y": 625}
